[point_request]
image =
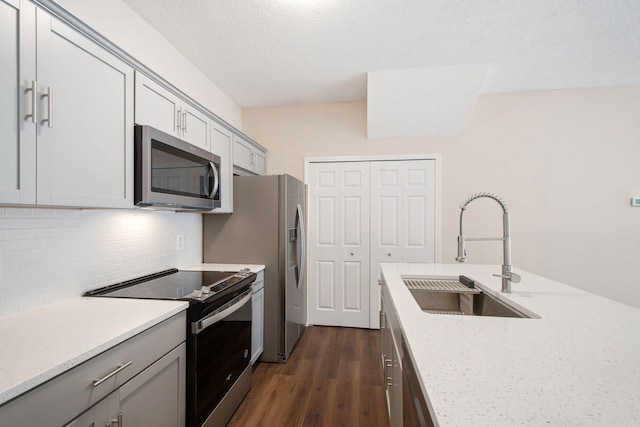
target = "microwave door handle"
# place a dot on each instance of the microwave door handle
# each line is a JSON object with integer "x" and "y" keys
{"x": 216, "y": 179}
{"x": 206, "y": 181}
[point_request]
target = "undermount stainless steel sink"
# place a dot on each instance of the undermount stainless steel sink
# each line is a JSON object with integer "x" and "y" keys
{"x": 461, "y": 296}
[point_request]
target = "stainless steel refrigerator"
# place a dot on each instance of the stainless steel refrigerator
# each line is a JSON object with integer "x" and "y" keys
{"x": 267, "y": 227}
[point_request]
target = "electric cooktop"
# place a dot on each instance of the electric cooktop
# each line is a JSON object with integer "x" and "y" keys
{"x": 193, "y": 286}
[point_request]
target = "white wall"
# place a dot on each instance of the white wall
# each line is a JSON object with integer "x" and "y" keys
{"x": 121, "y": 25}
{"x": 567, "y": 163}
{"x": 47, "y": 255}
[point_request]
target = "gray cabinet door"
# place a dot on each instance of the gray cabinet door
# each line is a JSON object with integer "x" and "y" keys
{"x": 85, "y": 136}
{"x": 157, "y": 107}
{"x": 257, "y": 324}
{"x": 100, "y": 414}
{"x": 156, "y": 396}
{"x": 17, "y": 96}
{"x": 242, "y": 153}
{"x": 195, "y": 127}
{"x": 248, "y": 157}
{"x": 222, "y": 145}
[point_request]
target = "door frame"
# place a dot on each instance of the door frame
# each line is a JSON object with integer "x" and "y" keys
{"x": 437, "y": 158}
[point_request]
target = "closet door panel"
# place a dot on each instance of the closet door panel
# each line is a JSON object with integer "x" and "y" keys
{"x": 339, "y": 244}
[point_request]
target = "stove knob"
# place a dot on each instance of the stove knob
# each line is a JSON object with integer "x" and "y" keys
{"x": 197, "y": 293}
{"x": 206, "y": 289}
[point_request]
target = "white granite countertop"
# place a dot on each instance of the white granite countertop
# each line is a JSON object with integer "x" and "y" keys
{"x": 577, "y": 365}
{"x": 207, "y": 266}
{"x": 40, "y": 344}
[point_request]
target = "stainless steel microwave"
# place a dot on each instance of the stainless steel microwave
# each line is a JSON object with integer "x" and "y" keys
{"x": 172, "y": 174}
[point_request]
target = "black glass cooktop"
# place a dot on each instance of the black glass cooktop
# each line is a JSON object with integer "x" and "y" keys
{"x": 175, "y": 285}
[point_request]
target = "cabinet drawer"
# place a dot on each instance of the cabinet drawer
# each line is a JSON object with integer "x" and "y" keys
{"x": 58, "y": 401}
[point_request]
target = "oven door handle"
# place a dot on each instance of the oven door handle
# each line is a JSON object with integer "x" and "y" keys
{"x": 224, "y": 311}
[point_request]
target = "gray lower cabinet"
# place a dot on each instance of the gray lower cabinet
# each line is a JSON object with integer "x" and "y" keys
{"x": 406, "y": 401}
{"x": 154, "y": 397}
{"x": 391, "y": 358}
{"x": 139, "y": 382}
{"x": 257, "y": 324}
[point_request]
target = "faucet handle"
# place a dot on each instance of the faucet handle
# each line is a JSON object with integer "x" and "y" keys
{"x": 515, "y": 278}
{"x": 462, "y": 250}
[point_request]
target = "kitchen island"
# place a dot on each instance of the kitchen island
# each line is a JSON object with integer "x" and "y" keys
{"x": 577, "y": 364}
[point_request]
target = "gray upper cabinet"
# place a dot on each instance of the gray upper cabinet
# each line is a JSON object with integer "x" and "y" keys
{"x": 248, "y": 158}
{"x": 71, "y": 140}
{"x": 68, "y": 102}
{"x": 158, "y": 107}
{"x": 222, "y": 145}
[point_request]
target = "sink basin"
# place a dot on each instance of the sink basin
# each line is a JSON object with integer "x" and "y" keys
{"x": 452, "y": 295}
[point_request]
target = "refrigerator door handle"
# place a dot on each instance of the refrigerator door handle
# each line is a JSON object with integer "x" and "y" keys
{"x": 303, "y": 244}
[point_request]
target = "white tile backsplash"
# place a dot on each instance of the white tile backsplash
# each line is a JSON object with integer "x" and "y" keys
{"x": 47, "y": 255}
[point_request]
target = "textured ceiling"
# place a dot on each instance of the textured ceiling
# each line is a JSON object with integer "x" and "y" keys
{"x": 279, "y": 52}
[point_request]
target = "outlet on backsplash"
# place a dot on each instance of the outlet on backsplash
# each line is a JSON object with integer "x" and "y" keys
{"x": 180, "y": 242}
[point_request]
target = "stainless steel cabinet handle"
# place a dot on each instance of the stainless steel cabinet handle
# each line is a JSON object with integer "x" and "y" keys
{"x": 184, "y": 120}
{"x": 114, "y": 372}
{"x": 389, "y": 381}
{"x": 34, "y": 101}
{"x": 383, "y": 322}
{"x": 179, "y": 120}
{"x": 49, "y": 96}
{"x": 116, "y": 421}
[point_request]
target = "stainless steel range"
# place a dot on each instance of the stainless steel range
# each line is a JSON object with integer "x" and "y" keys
{"x": 218, "y": 335}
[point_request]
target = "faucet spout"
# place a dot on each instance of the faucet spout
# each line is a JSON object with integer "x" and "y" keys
{"x": 507, "y": 275}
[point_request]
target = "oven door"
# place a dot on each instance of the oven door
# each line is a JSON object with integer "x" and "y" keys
{"x": 220, "y": 352}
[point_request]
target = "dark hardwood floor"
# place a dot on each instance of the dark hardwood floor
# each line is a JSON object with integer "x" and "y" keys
{"x": 332, "y": 378}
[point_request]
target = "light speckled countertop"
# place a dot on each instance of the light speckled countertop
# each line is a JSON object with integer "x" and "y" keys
{"x": 40, "y": 344}
{"x": 578, "y": 365}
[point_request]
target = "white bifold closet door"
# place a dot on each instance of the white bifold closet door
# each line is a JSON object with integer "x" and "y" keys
{"x": 403, "y": 221}
{"x": 362, "y": 214}
{"x": 339, "y": 244}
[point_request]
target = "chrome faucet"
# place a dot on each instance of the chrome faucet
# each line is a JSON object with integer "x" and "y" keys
{"x": 507, "y": 275}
